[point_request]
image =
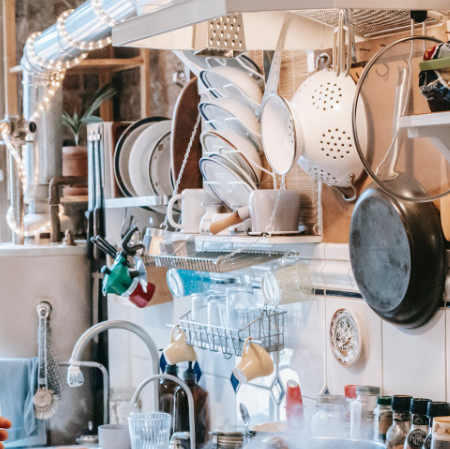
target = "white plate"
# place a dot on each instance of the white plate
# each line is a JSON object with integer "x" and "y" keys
{"x": 123, "y": 150}
{"x": 160, "y": 167}
{"x": 228, "y": 186}
{"x": 234, "y": 147}
{"x": 140, "y": 155}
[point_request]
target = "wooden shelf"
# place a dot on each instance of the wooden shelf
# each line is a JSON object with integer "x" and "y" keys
{"x": 113, "y": 65}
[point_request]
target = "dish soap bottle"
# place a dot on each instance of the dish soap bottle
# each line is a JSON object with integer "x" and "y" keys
{"x": 166, "y": 393}
{"x": 201, "y": 409}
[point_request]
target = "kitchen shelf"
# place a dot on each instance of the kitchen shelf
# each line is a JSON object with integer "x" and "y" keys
{"x": 171, "y": 26}
{"x": 139, "y": 201}
{"x": 434, "y": 125}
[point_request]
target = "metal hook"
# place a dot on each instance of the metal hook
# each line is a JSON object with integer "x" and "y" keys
{"x": 342, "y": 191}
{"x": 382, "y": 75}
{"x": 323, "y": 58}
{"x": 43, "y": 309}
{"x": 131, "y": 250}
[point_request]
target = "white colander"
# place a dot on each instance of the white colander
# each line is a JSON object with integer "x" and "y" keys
{"x": 324, "y": 104}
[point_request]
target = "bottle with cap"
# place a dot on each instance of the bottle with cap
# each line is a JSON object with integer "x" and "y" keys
{"x": 435, "y": 409}
{"x": 166, "y": 392}
{"x": 420, "y": 424}
{"x": 396, "y": 435}
{"x": 350, "y": 397}
{"x": 361, "y": 413}
{"x": 382, "y": 419}
{"x": 441, "y": 433}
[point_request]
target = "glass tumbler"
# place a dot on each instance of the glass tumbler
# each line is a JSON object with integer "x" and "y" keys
{"x": 149, "y": 430}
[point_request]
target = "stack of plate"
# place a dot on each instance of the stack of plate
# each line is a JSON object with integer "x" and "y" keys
{"x": 142, "y": 159}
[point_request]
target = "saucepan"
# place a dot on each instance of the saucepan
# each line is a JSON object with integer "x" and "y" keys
{"x": 260, "y": 209}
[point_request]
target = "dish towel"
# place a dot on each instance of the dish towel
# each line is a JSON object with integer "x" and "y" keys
{"x": 18, "y": 383}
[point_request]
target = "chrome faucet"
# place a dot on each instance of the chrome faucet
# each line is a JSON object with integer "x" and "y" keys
{"x": 75, "y": 376}
{"x": 190, "y": 398}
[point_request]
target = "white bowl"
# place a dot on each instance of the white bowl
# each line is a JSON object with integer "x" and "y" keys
{"x": 230, "y": 82}
{"x": 235, "y": 147}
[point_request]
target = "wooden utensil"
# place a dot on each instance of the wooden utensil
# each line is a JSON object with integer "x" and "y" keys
{"x": 184, "y": 119}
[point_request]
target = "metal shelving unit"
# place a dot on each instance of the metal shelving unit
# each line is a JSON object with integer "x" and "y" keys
{"x": 138, "y": 201}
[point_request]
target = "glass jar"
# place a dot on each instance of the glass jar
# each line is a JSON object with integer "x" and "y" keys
{"x": 382, "y": 419}
{"x": 361, "y": 413}
{"x": 434, "y": 410}
{"x": 441, "y": 433}
{"x": 328, "y": 420}
{"x": 420, "y": 424}
{"x": 401, "y": 426}
{"x": 186, "y": 282}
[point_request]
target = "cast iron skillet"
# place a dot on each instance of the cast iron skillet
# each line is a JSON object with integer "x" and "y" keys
{"x": 397, "y": 254}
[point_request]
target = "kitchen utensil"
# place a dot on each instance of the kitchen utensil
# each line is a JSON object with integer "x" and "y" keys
{"x": 255, "y": 362}
{"x": 417, "y": 138}
{"x": 241, "y": 226}
{"x": 114, "y": 436}
{"x": 230, "y": 82}
{"x": 246, "y": 418}
{"x": 149, "y": 430}
{"x": 141, "y": 155}
{"x": 123, "y": 150}
{"x": 281, "y": 128}
{"x": 226, "y": 113}
{"x": 260, "y": 210}
{"x": 191, "y": 210}
{"x": 397, "y": 253}
{"x": 228, "y": 186}
{"x": 324, "y": 104}
{"x": 178, "y": 350}
{"x": 236, "y": 148}
{"x": 211, "y": 210}
{"x": 183, "y": 122}
{"x": 343, "y": 44}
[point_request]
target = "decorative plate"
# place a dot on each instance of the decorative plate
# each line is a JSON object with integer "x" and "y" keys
{"x": 345, "y": 338}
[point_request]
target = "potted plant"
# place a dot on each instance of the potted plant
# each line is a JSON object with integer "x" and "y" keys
{"x": 75, "y": 156}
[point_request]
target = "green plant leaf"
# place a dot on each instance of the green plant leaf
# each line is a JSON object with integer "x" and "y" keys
{"x": 91, "y": 119}
{"x": 103, "y": 94}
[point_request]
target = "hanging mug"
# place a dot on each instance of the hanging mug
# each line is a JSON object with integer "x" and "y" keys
{"x": 179, "y": 350}
{"x": 256, "y": 362}
{"x": 192, "y": 210}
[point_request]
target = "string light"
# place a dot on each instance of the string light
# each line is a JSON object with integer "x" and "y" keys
{"x": 101, "y": 13}
{"x": 61, "y": 27}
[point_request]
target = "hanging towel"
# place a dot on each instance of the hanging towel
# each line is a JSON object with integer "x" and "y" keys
{"x": 18, "y": 383}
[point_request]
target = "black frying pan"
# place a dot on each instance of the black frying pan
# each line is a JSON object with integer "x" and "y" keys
{"x": 397, "y": 254}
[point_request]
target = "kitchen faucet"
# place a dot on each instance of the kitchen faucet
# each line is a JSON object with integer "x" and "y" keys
{"x": 75, "y": 376}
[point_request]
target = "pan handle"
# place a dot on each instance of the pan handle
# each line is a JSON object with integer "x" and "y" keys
{"x": 343, "y": 192}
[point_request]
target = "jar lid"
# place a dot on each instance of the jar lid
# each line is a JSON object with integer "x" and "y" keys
{"x": 384, "y": 400}
{"x": 437, "y": 408}
{"x": 230, "y": 431}
{"x": 401, "y": 403}
{"x": 331, "y": 399}
{"x": 371, "y": 391}
{"x": 419, "y": 406}
{"x": 350, "y": 391}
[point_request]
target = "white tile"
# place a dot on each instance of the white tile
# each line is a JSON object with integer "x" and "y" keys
{"x": 368, "y": 369}
{"x": 336, "y": 275}
{"x": 141, "y": 369}
{"x": 414, "y": 360}
{"x": 215, "y": 364}
{"x": 337, "y": 251}
{"x": 222, "y": 401}
{"x": 305, "y": 337}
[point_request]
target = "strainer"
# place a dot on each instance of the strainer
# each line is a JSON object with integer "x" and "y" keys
{"x": 324, "y": 104}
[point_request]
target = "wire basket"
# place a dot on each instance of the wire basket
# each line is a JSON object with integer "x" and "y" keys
{"x": 265, "y": 325}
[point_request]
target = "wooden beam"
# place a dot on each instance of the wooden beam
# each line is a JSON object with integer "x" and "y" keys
{"x": 145, "y": 83}
{"x": 9, "y": 43}
{"x": 107, "y": 107}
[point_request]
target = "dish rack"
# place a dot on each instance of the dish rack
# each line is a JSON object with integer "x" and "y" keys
{"x": 265, "y": 325}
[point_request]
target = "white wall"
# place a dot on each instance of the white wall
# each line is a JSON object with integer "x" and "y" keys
{"x": 399, "y": 361}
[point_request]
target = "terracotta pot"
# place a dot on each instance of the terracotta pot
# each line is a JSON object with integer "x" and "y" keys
{"x": 75, "y": 163}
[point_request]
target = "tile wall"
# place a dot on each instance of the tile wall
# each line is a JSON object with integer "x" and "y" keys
{"x": 400, "y": 361}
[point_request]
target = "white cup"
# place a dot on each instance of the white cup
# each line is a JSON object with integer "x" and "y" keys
{"x": 114, "y": 436}
{"x": 261, "y": 204}
{"x": 178, "y": 350}
{"x": 192, "y": 210}
{"x": 256, "y": 362}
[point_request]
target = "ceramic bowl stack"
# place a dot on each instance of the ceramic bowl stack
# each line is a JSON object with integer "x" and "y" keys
{"x": 231, "y": 162}
{"x": 142, "y": 159}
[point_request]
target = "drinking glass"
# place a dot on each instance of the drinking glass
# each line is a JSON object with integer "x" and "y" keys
{"x": 149, "y": 430}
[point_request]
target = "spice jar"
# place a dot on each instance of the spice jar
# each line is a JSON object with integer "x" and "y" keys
{"x": 441, "y": 433}
{"x": 420, "y": 424}
{"x": 328, "y": 420}
{"x": 361, "y": 413}
{"x": 401, "y": 426}
{"x": 382, "y": 418}
{"x": 434, "y": 410}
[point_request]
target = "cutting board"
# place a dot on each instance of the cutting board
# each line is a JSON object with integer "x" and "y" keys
{"x": 184, "y": 118}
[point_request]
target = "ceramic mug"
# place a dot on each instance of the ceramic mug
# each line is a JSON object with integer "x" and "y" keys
{"x": 114, "y": 436}
{"x": 192, "y": 210}
{"x": 178, "y": 350}
{"x": 261, "y": 204}
{"x": 256, "y": 362}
